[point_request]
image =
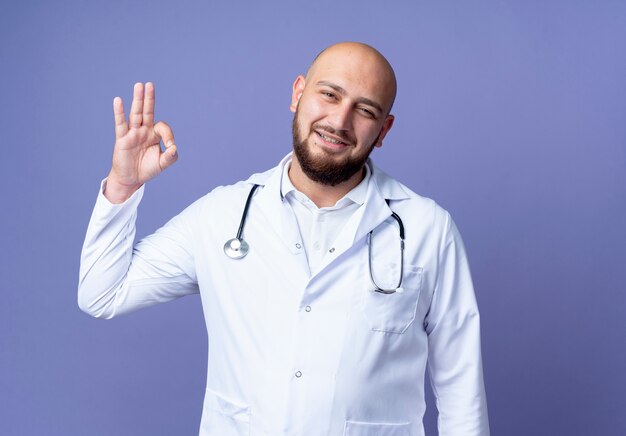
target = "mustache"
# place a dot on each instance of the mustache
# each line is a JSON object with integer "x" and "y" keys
{"x": 341, "y": 134}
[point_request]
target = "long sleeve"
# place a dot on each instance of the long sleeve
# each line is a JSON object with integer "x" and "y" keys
{"x": 116, "y": 276}
{"x": 454, "y": 360}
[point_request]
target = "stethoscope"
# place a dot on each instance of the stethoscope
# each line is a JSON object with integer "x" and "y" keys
{"x": 238, "y": 248}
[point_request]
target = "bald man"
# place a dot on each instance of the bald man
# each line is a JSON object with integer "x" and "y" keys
{"x": 340, "y": 288}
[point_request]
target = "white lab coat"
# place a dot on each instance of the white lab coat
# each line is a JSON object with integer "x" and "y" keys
{"x": 292, "y": 353}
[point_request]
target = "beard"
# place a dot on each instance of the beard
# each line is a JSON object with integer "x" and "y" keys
{"x": 326, "y": 169}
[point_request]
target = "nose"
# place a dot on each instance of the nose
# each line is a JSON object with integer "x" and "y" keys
{"x": 341, "y": 117}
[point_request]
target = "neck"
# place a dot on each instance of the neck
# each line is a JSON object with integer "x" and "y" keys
{"x": 321, "y": 195}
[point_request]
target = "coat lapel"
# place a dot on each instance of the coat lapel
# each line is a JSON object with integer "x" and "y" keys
{"x": 277, "y": 211}
{"x": 371, "y": 214}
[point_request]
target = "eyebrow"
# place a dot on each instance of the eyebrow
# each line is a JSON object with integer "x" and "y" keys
{"x": 342, "y": 91}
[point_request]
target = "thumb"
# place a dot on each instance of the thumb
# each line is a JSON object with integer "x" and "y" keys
{"x": 168, "y": 157}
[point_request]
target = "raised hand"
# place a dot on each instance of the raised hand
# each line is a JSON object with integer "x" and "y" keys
{"x": 137, "y": 155}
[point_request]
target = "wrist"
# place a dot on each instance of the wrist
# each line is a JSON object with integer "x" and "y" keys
{"x": 117, "y": 192}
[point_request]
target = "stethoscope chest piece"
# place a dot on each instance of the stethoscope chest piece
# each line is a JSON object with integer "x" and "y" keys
{"x": 236, "y": 248}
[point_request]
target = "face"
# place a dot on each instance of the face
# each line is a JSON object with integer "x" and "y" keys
{"x": 341, "y": 114}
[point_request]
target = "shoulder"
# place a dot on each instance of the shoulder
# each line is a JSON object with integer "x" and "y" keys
{"x": 233, "y": 195}
{"x": 420, "y": 215}
{"x": 403, "y": 199}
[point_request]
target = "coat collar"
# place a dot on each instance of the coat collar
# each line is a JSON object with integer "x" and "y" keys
{"x": 387, "y": 187}
{"x": 372, "y": 213}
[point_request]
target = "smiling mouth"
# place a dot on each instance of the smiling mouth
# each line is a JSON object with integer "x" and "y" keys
{"x": 329, "y": 139}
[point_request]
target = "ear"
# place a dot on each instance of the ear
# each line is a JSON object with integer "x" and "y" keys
{"x": 383, "y": 131}
{"x": 296, "y": 93}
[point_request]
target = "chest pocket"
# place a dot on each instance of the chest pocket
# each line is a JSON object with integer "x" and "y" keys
{"x": 391, "y": 313}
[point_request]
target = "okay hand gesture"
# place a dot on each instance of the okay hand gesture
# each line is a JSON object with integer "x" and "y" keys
{"x": 137, "y": 155}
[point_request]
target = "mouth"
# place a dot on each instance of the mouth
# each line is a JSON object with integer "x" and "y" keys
{"x": 331, "y": 140}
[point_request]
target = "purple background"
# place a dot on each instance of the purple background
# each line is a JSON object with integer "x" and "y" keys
{"x": 511, "y": 114}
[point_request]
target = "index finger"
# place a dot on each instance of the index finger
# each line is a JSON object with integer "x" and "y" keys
{"x": 164, "y": 132}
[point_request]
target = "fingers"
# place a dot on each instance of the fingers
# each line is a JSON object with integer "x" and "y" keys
{"x": 148, "y": 105}
{"x": 135, "y": 118}
{"x": 170, "y": 155}
{"x": 141, "y": 110}
{"x": 120, "y": 120}
{"x": 164, "y": 132}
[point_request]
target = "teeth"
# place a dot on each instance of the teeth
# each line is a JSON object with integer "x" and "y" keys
{"x": 331, "y": 140}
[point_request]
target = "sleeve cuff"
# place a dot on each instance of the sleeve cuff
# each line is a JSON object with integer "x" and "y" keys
{"x": 132, "y": 201}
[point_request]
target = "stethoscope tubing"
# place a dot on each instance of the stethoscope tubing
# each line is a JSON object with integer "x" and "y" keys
{"x": 398, "y": 287}
{"x": 245, "y": 212}
{"x": 237, "y": 247}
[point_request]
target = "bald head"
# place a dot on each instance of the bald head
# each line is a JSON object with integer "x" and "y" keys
{"x": 361, "y": 60}
{"x": 341, "y": 113}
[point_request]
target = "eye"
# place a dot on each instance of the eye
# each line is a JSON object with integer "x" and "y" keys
{"x": 329, "y": 95}
{"x": 368, "y": 113}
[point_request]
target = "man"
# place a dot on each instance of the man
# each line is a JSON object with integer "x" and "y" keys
{"x": 326, "y": 325}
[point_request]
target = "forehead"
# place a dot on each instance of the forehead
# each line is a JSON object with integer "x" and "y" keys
{"x": 360, "y": 72}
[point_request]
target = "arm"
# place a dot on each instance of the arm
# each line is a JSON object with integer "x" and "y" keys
{"x": 454, "y": 359}
{"x": 116, "y": 277}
